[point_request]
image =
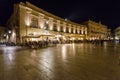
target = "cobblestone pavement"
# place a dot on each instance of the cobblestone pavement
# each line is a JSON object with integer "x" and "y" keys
{"x": 62, "y": 62}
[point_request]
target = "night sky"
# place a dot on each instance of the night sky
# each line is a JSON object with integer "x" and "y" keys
{"x": 106, "y": 11}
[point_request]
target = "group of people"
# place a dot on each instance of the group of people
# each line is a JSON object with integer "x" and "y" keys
{"x": 98, "y": 42}
{"x": 38, "y": 44}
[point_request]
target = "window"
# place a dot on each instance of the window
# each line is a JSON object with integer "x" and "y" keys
{"x": 61, "y": 28}
{"x": 75, "y": 31}
{"x": 55, "y": 27}
{"x": 80, "y": 31}
{"x": 71, "y": 30}
{"x": 67, "y": 30}
{"x": 34, "y": 23}
{"x": 83, "y": 32}
{"x": 46, "y": 26}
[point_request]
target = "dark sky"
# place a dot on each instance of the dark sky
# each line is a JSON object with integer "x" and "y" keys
{"x": 106, "y": 11}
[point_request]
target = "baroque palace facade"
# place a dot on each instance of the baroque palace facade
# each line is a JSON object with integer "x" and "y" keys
{"x": 30, "y": 23}
{"x": 117, "y": 33}
{"x": 98, "y": 31}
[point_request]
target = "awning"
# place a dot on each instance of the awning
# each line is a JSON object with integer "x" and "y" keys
{"x": 38, "y": 36}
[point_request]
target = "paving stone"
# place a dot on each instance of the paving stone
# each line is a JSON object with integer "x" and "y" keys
{"x": 62, "y": 62}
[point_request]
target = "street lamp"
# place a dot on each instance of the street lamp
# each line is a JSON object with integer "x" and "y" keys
{"x": 9, "y": 31}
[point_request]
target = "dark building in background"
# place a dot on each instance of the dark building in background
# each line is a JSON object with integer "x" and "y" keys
{"x": 2, "y": 34}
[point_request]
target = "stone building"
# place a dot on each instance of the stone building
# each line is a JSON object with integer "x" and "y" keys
{"x": 30, "y": 23}
{"x": 2, "y": 34}
{"x": 117, "y": 33}
{"x": 96, "y": 30}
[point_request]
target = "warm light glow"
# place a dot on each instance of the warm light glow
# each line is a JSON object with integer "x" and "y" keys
{"x": 85, "y": 32}
{"x": 42, "y": 26}
{"x": 13, "y": 36}
{"x": 116, "y": 38}
{"x": 78, "y": 31}
{"x": 11, "y": 57}
{"x": 47, "y": 62}
{"x": 51, "y": 27}
{"x": 65, "y": 19}
{"x": 35, "y": 33}
{"x": 5, "y": 35}
{"x": 64, "y": 52}
{"x": 64, "y": 29}
{"x": 81, "y": 38}
{"x": 69, "y": 30}
{"x": 9, "y": 31}
{"x": 27, "y": 22}
{"x": 57, "y": 35}
{"x": 74, "y": 30}
{"x": 82, "y": 32}
{"x": 73, "y": 51}
{"x": 47, "y": 22}
{"x": 33, "y": 39}
{"x": 72, "y": 38}
{"x": 58, "y": 28}
{"x": 64, "y": 38}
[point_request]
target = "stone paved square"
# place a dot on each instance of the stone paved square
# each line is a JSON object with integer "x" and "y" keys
{"x": 62, "y": 62}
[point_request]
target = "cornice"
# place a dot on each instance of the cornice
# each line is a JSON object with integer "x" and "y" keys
{"x": 30, "y": 6}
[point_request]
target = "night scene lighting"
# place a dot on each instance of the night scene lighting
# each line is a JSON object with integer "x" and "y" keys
{"x": 59, "y": 40}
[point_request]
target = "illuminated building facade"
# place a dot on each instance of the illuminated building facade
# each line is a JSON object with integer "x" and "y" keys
{"x": 117, "y": 33}
{"x": 30, "y": 23}
{"x": 97, "y": 31}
